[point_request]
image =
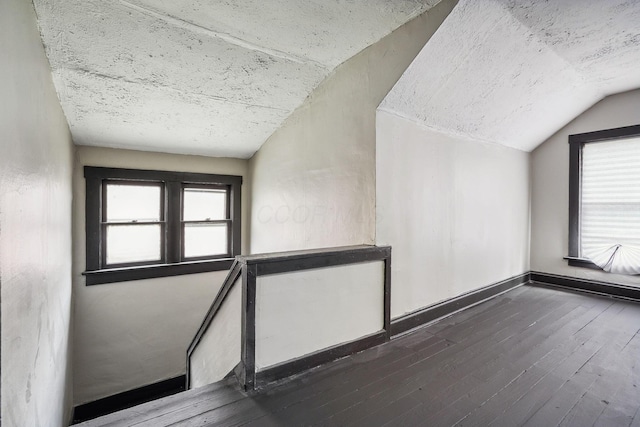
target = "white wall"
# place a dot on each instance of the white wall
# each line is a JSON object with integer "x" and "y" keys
{"x": 301, "y": 312}
{"x": 220, "y": 349}
{"x": 313, "y": 181}
{"x": 456, "y": 212}
{"x": 131, "y": 334}
{"x": 35, "y": 229}
{"x": 550, "y": 192}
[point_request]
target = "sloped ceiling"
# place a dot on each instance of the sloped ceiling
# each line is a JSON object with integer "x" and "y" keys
{"x": 200, "y": 77}
{"x": 514, "y": 72}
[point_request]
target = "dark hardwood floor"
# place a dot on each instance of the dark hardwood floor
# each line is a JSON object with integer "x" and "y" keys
{"x": 534, "y": 356}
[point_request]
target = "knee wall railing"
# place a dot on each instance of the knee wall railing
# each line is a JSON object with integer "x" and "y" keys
{"x": 279, "y": 314}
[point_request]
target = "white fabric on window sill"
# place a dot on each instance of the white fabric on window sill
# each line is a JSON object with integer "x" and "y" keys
{"x": 618, "y": 258}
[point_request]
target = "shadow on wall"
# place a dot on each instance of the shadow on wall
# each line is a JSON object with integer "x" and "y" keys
{"x": 313, "y": 181}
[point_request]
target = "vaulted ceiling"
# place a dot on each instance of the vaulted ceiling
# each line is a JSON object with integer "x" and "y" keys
{"x": 513, "y": 72}
{"x": 200, "y": 77}
{"x": 219, "y": 77}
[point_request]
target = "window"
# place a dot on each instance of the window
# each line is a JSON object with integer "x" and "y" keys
{"x": 142, "y": 224}
{"x": 604, "y": 200}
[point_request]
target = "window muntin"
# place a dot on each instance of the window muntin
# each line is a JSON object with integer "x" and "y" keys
{"x": 604, "y": 200}
{"x": 143, "y": 224}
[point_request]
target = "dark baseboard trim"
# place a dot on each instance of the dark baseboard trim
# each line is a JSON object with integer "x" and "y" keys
{"x": 445, "y": 308}
{"x": 301, "y": 364}
{"x": 128, "y": 399}
{"x": 587, "y": 285}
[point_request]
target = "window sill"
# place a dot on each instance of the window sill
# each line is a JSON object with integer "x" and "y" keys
{"x": 126, "y": 274}
{"x": 581, "y": 262}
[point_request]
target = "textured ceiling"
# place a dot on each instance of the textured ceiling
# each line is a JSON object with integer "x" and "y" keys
{"x": 201, "y": 77}
{"x": 514, "y": 72}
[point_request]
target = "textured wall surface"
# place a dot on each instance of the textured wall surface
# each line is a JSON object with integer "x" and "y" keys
{"x": 208, "y": 78}
{"x": 550, "y": 190}
{"x": 301, "y": 312}
{"x": 220, "y": 348}
{"x": 313, "y": 181}
{"x": 35, "y": 229}
{"x": 514, "y": 72}
{"x": 130, "y": 334}
{"x": 455, "y": 211}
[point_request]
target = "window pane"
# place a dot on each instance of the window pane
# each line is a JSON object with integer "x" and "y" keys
{"x": 133, "y": 243}
{"x": 610, "y": 211}
{"x": 205, "y": 239}
{"x": 133, "y": 202}
{"x": 202, "y": 204}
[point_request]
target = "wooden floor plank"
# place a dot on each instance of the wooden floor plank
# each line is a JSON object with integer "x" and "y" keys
{"x": 401, "y": 385}
{"x": 362, "y": 379}
{"x": 194, "y": 407}
{"x": 580, "y": 346}
{"x": 499, "y": 317}
{"x": 623, "y": 403}
{"x": 510, "y": 361}
{"x": 472, "y": 313}
{"x": 576, "y": 386}
{"x": 604, "y": 389}
{"x": 447, "y": 379}
{"x": 334, "y": 406}
{"x": 532, "y": 356}
{"x": 161, "y": 406}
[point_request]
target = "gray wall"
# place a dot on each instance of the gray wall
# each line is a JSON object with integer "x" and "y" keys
{"x": 130, "y": 334}
{"x": 35, "y": 229}
{"x": 550, "y": 192}
{"x": 313, "y": 181}
{"x": 455, "y": 211}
